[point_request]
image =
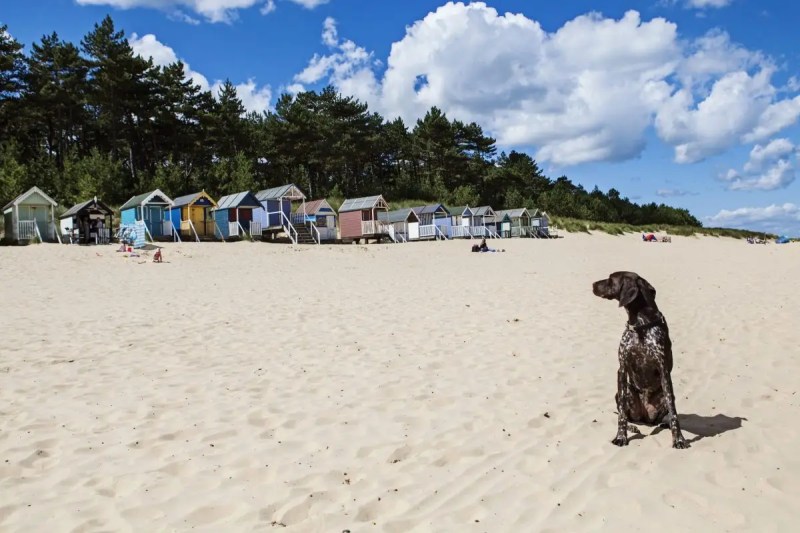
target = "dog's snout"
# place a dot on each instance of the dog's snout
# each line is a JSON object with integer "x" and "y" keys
{"x": 598, "y": 287}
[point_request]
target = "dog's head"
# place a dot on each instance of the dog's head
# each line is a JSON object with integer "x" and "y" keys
{"x": 625, "y": 287}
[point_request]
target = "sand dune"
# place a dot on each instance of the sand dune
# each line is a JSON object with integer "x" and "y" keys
{"x": 396, "y": 388}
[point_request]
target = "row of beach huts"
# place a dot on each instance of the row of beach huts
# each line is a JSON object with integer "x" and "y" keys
{"x": 268, "y": 214}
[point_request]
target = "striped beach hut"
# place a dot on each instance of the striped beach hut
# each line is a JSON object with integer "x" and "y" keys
{"x": 235, "y": 212}
{"x": 193, "y": 215}
{"x": 540, "y": 225}
{"x": 434, "y": 221}
{"x": 151, "y": 208}
{"x": 321, "y": 215}
{"x": 358, "y": 218}
{"x": 514, "y": 222}
{"x": 485, "y": 217}
{"x": 87, "y": 222}
{"x": 460, "y": 221}
{"x": 402, "y": 224}
{"x": 29, "y": 216}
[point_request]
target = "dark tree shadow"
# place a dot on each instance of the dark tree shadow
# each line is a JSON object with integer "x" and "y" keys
{"x": 705, "y": 426}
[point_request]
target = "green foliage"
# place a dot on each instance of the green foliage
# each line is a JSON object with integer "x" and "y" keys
{"x": 12, "y": 70}
{"x": 95, "y": 119}
{"x": 93, "y": 175}
{"x": 13, "y": 174}
{"x": 573, "y": 225}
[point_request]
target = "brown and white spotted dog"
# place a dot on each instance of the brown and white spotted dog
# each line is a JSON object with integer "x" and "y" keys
{"x": 644, "y": 385}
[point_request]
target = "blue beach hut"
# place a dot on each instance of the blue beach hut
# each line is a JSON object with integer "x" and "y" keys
{"x": 279, "y": 200}
{"x": 235, "y": 212}
{"x": 152, "y": 208}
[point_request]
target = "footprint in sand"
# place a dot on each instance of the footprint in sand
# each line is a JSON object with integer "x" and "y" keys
{"x": 400, "y": 454}
{"x": 35, "y": 457}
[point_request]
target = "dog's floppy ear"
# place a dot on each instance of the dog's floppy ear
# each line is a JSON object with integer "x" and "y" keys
{"x": 647, "y": 290}
{"x": 628, "y": 291}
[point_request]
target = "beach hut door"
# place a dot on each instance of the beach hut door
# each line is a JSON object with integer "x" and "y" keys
{"x": 39, "y": 215}
{"x": 197, "y": 215}
{"x": 152, "y": 221}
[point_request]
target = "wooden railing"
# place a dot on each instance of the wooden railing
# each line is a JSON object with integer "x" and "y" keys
{"x": 255, "y": 228}
{"x": 288, "y": 227}
{"x": 427, "y": 231}
{"x": 396, "y": 235}
{"x": 193, "y": 230}
{"x": 457, "y": 232}
{"x": 26, "y": 229}
{"x": 315, "y": 232}
{"x": 374, "y": 227}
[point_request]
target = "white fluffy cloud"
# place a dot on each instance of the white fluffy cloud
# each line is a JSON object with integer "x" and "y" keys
{"x": 348, "y": 67}
{"x": 590, "y": 91}
{"x": 774, "y": 218}
{"x": 770, "y": 167}
{"x": 211, "y": 10}
{"x": 254, "y": 98}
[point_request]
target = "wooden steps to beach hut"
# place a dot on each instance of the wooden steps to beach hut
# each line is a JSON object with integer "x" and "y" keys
{"x": 304, "y": 235}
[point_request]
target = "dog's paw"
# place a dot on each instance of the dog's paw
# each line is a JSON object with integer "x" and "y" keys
{"x": 680, "y": 444}
{"x": 620, "y": 440}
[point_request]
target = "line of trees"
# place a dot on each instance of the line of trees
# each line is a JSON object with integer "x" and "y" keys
{"x": 93, "y": 118}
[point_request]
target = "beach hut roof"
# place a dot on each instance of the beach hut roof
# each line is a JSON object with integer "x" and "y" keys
{"x": 189, "y": 199}
{"x": 290, "y": 192}
{"x": 240, "y": 199}
{"x": 367, "y": 202}
{"x": 77, "y": 208}
{"x": 152, "y": 197}
{"x": 428, "y": 209}
{"x": 513, "y": 213}
{"x": 484, "y": 211}
{"x": 27, "y": 194}
{"x": 460, "y": 210}
{"x": 398, "y": 215}
{"x": 314, "y": 207}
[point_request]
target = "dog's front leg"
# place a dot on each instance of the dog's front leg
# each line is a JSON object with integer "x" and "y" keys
{"x": 622, "y": 402}
{"x": 669, "y": 396}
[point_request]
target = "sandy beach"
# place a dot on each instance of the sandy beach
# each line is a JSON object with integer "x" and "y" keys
{"x": 398, "y": 388}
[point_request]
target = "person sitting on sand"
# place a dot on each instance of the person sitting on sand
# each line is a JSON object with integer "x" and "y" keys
{"x": 484, "y": 248}
{"x": 157, "y": 258}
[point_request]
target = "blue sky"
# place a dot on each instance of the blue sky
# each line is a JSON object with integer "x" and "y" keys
{"x": 691, "y": 102}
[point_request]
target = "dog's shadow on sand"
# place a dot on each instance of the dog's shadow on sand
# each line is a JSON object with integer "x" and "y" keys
{"x": 705, "y": 426}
